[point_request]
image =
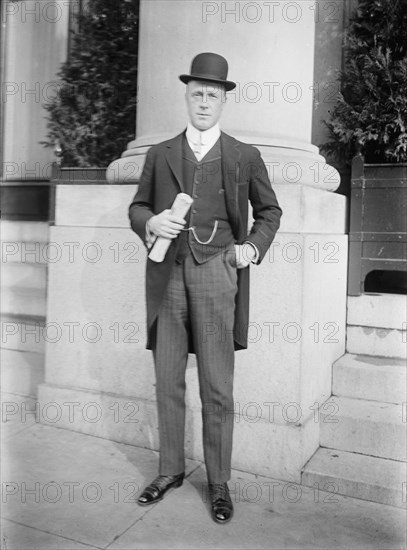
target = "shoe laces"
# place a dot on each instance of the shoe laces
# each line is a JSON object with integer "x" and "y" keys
{"x": 219, "y": 490}
{"x": 162, "y": 481}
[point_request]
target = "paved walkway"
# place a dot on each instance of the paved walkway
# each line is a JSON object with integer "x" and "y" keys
{"x": 65, "y": 490}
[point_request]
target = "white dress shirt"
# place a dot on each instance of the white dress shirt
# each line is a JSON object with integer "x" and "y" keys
{"x": 202, "y": 142}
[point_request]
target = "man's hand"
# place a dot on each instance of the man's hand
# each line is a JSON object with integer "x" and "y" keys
{"x": 166, "y": 225}
{"x": 245, "y": 254}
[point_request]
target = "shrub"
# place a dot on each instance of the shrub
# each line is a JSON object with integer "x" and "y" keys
{"x": 371, "y": 112}
{"x": 92, "y": 117}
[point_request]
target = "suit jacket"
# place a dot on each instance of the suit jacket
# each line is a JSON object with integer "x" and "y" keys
{"x": 245, "y": 179}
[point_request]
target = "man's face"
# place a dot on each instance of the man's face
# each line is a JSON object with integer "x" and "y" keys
{"x": 205, "y": 102}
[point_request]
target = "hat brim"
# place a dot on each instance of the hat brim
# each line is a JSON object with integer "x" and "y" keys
{"x": 228, "y": 84}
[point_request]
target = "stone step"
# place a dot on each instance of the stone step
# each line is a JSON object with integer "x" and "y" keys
{"x": 24, "y": 275}
{"x": 16, "y": 231}
{"x": 23, "y": 333}
{"x": 23, "y": 301}
{"x": 377, "y": 310}
{"x": 366, "y": 427}
{"x": 31, "y": 252}
{"x": 358, "y": 476}
{"x": 373, "y": 378}
{"x": 21, "y": 371}
{"x": 376, "y": 341}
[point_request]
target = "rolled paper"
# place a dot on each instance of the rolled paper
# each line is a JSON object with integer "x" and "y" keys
{"x": 180, "y": 207}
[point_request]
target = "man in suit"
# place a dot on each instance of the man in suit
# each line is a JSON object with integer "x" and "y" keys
{"x": 198, "y": 297}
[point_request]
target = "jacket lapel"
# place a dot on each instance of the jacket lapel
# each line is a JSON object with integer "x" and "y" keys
{"x": 174, "y": 158}
{"x": 231, "y": 176}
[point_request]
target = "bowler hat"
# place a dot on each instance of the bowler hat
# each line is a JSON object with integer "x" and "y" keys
{"x": 210, "y": 67}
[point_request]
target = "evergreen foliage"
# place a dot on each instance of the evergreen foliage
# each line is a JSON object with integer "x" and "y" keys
{"x": 371, "y": 112}
{"x": 92, "y": 117}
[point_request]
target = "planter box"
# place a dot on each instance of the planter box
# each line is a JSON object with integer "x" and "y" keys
{"x": 378, "y": 222}
{"x": 81, "y": 176}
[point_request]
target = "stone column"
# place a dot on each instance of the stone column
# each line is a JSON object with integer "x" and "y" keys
{"x": 270, "y": 50}
{"x": 36, "y": 37}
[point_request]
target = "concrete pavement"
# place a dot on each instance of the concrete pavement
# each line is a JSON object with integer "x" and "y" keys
{"x": 66, "y": 490}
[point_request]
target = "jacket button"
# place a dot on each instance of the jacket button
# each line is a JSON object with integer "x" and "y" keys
{"x": 194, "y": 211}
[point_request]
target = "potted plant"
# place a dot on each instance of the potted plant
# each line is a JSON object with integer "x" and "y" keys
{"x": 368, "y": 129}
{"x": 92, "y": 116}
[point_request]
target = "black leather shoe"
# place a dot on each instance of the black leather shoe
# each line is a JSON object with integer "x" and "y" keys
{"x": 157, "y": 489}
{"x": 221, "y": 503}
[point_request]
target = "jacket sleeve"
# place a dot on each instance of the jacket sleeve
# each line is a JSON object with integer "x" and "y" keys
{"x": 266, "y": 210}
{"x": 141, "y": 207}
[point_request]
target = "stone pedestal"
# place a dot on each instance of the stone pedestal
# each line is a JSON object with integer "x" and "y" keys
{"x": 98, "y": 372}
{"x": 100, "y": 378}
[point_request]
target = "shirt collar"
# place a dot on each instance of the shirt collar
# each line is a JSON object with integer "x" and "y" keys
{"x": 207, "y": 136}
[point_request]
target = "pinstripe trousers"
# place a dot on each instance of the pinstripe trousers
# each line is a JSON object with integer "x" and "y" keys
{"x": 199, "y": 305}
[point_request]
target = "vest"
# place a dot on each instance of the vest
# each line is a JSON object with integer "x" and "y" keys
{"x": 209, "y": 231}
